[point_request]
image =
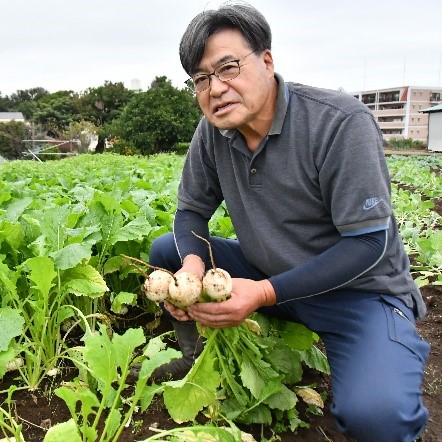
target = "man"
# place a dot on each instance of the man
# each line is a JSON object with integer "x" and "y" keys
{"x": 303, "y": 175}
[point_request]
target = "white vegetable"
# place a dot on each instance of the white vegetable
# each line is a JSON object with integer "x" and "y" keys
{"x": 14, "y": 364}
{"x": 217, "y": 284}
{"x": 156, "y": 286}
{"x": 185, "y": 289}
{"x": 52, "y": 372}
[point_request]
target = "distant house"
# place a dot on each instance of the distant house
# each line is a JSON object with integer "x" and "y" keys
{"x": 6, "y": 117}
{"x": 434, "y": 127}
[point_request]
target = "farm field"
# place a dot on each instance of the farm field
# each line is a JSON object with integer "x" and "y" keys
{"x": 65, "y": 227}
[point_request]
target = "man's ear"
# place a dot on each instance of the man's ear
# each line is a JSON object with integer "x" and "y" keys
{"x": 268, "y": 61}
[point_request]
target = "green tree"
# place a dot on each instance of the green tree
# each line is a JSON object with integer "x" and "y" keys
{"x": 157, "y": 119}
{"x": 11, "y": 136}
{"x": 5, "y": 103}
{"x": 55, "y": 112}
{"x": 24, "y": 100}
{"x": 101, "y": 105}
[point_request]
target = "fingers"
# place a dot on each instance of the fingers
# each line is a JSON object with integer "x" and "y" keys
{"x": 177, "y": 313}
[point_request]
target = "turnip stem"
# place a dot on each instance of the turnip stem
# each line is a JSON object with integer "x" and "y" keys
{"x": 210, "y": 249}
{"x": 139, "y": 261}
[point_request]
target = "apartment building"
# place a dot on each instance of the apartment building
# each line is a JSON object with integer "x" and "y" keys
{"x": 398, "y": 110}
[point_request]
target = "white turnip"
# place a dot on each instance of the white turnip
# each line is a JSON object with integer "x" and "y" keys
{"x": 217, "y": 284}
{"x": 185, "y": 289}
{"x": 156, "y": 285}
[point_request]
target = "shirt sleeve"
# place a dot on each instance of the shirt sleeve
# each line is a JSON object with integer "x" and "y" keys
{"x": 199, "y": 190}
{"x": 186, "y": 242}
{"x": 354, "y": 178}
{"x": 348, "y": 259}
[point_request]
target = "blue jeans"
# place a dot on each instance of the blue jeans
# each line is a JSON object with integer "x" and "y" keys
{"x": 376, "y": 356}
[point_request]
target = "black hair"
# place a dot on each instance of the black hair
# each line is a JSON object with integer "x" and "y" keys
{"x": 241, "y": 16}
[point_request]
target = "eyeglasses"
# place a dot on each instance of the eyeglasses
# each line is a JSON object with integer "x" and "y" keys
{"x": 224, "y": 72}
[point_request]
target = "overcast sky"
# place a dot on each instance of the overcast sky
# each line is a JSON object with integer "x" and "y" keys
{"x": 349, "y": 44}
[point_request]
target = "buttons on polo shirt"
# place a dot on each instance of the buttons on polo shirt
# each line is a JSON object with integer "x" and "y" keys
{"x": 255, "y": 178}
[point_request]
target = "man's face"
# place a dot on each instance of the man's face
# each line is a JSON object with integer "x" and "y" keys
{"x": 243, "y": 102}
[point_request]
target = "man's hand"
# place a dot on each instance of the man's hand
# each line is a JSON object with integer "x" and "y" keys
{"x": 246, "y": 297}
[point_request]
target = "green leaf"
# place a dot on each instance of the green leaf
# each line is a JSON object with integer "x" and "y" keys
{"x": 135, "y": 229}
{"x": 123, "y": 298}
{"x": 41, "y": 273}
{"x": 71, "y": 255}
{"x": 16, "y": 208}
{"x": 101, "y": 356}
{"x": 296, "y": 335}
{"x": 84, "y": 280}
{"x": 66, "y": 431}
{"x": 77, "y": 393}
{"x": 8, "y": 281}
{"x": 11, "y": 325}
{"x": 113, "y": 264}
{"x": 113, "y": 421}
{"x": 254, "y": 377}
{"x": 314, "y": 358}
{"x": 126, "y": 344}
{"x": 186, "y": 398}
{"x": 282, "y": 399}
{"x": 12, "y": 234}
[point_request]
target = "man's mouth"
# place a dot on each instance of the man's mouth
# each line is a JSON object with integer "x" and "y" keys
{"x": 221, "y": 107}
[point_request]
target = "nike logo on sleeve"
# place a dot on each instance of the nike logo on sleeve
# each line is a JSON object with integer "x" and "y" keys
{"x": 370, "y": 203}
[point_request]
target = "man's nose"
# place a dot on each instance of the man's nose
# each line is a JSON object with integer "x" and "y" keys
{"x": 217, "y": 86}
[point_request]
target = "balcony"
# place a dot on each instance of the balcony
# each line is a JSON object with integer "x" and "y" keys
{"x": 390, "y": 113}
{"x": 392, "y": 125}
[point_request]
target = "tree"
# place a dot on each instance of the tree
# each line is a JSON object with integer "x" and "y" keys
{"x": 11, "y": 136}
{"x": 157, "y": 119}
{"x": 55, "y": 112}
{"x": 25, "y": 100}
{"x": 5, "y": 103}
{"x": 103, "y": 104}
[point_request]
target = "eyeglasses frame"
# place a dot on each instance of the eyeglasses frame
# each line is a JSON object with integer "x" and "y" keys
{"x": 191, "y": 80}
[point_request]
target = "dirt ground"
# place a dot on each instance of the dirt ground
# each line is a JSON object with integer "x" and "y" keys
{"x": 39, "y": 410}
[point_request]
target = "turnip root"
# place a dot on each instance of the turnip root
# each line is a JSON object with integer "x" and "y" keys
{"x": 217, "y": 284}
{"x": 156, "y": 286}
{"x": 185, "y": 289}
{"x": 14, "y": 364}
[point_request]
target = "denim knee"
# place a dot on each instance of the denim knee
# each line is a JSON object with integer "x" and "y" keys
{"x": 381, "y": 418}
{"x": 163, "y": 253}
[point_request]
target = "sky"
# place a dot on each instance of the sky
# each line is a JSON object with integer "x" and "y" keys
{"x": 341, "y": 44}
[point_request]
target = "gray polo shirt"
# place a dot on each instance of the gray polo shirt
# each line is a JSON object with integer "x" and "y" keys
{"x": 318, "y": 175}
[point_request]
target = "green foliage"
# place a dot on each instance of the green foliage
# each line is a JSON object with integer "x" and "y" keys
{"x": 404, "y": 143}
{"x": 11, "y": 136}
{"x": 55, "y": 112}
{"x": 64, "y": 227}
{"x": 251, "y": 367}
{"x": 416, "y": 184}
{"x": 103, "y": 104}
{"x": 107, "y": 358}
{"x": 157, "y": 119}
{"x": 20, "y": 100}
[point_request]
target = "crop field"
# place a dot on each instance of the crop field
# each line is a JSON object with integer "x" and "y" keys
{"x": 74, "y": 319}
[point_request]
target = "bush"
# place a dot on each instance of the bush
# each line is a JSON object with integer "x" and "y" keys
{"x": 404, "y": 143}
